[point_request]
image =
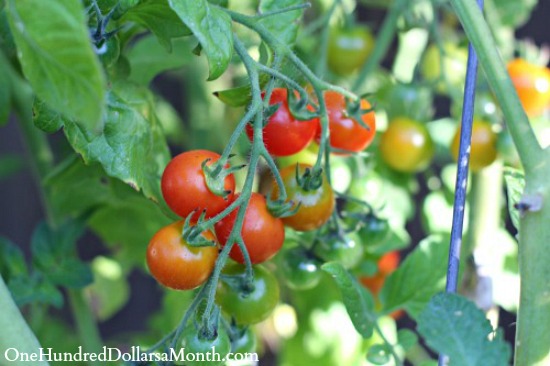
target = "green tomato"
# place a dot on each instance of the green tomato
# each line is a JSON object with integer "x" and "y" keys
{"x": 349, "y": 48}
{"x": 247, "y": 305}
{"x": 245, "y": 342}
{"x": 120, "y": 70}
{"x": 347, "y": 250}
{"x": 195, "y": 344}
{"x": 300, "y": 270}
{"x": 374, "y": 231}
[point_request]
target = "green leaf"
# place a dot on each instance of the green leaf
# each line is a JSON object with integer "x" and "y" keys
{"x": 57, "y": 58}
{"x": 10, "y": 164}
{"x": 359, "y": 302}
{"x": 406, "y": 338}
{"x": 12, "y": 260}
{"x": 132, "y": 147}
{"x": 454, "y": 326}
{"x": 54, "y": 254}
{"x": 45, "y": 118}
{"x": 515, "y": 185}
{"x": 159, "y": 18}
{"x": 418, "y": 278}
{"x": 513, "y": 13}
{"x": 38, "y": 288}
{"x": 212, "y": 27}
{"x": 148, "y": 59}
{"x": 284, "y": 26}
{"x": 110, "y": 290}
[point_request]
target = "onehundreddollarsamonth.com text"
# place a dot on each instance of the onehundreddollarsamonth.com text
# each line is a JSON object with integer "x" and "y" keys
{"x": 134, "y": 354}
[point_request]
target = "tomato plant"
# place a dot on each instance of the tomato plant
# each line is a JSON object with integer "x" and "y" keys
{"x": 346, "y": 133}
{"x": 349, "y": 48}
{"x": 262, "y": 234}
{"x": 174, "y": 263}
{"x": 301, "y": 269}
{"x": 194, "y": 342}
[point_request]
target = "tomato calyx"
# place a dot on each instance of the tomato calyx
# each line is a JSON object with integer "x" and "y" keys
{"x": 193, "y": 232}
{"x": 215, "y": 175}
{"x": 298, "y": 107}
{"x": 240, "y": 283}
{"x": 311, "y": 180}
{"x": 282, "y": 208}
{"x": 353, "y": 110}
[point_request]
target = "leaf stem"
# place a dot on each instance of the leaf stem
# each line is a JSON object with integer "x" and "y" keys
{"x": 85, "y": 324}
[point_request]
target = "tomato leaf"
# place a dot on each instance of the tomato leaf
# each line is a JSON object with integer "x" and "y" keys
{"x": 34, "y": 288}
{"x": 515, "y": 184}
{"x": 55, "y": 255}
{"x": 133, "y": 148}
{"x": 5, "y": 93}
{"x": 454, "y": 326}
{"x": 148, "y": 59}
{"x": 57, "y": 58}
{"x": 212, "y": 27}
{"x": 359, "y": 302}
{"x": 12, "y": 260}
{"x": 284, "y": 26}
{"x": 513, "y": 13}
{"x": 418, "y": 278}
{"x": 159, "y": 18}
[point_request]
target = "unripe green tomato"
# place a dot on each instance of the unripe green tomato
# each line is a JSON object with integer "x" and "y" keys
{"x": 246, "y": 343}
{"x": 347, "y": 250}
{"x": 374, "y": 231}
{"x": 301, "y": 272}
{"x": 201, "y": 347}
{"x": 349, "y": 48}
{"x": 454, "y": 66}
{"x": 248, "y": 307}
{"x": 483, "y": 148}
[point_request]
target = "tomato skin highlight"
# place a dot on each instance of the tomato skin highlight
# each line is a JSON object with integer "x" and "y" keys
{"x": 483, "y": 150}
{"x": 532, "y": 83}
{"x": 346, "y": 133}
{"x": 284, "y": 135}
{"x": 315, "y": 206}
{"x": 348, "y": 49}
{"x": 248, "y": 307}
{"x": 184, "y": 186}
{"x": 263, "y": 234}
{"x": 175, "y": 264}
{"x": 406, "y": 145}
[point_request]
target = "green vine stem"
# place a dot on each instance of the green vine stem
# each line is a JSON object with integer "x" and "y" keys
{"x": 532, "y": 336}
{"x": 15, "y": 331}
{"x": 85, "y": 324}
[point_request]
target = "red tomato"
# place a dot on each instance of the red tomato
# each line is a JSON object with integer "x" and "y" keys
{"x": 263, "y": 234}
{"x": 345, "y": 132}
{"x": 532, "y": 83}
{"x": 386, "y": 265}
{"x": 284, "y": 135}
{"x": 316, "y": 206}
{"x": 184, "y": 186}
{"x": 177, "y": 265}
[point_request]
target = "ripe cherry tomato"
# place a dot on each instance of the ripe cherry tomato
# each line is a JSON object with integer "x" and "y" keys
{"x": 301, "y": 271}
{"x": 345, "y": 250}
{"x": 345, "y": 132}
{"x": 184, "y": 185}
{"x": 349, "y": 48}
{"x": 263, "y": 234}
{"x": 532, "y": 83}
{"x": 386, "y": 265}
{"x": 406, "y": 145}
{"x": 316, "y": 206}
{"x": 247, "y": 306}
{"x": 284, "y": 135}
{"x": 193, "y": 343}
{"x": 177, "y": 265}
{"x": 483, "y": 151}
